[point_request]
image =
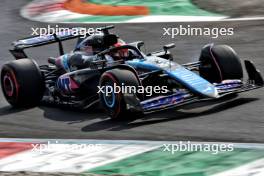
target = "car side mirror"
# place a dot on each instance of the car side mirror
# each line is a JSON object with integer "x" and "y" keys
{"x": 140, "y": 44}
{"x": 168, "y": 46}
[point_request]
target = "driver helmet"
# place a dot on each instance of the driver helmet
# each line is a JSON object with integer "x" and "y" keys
{"x": 122, "y": 53}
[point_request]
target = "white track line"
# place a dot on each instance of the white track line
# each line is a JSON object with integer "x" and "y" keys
{"x": 127, "y": 142}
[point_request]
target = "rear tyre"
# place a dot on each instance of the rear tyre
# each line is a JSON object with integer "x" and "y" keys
{"x": 114, "y": 102}
{"x": 22, "y": 83}
{"x": 220, "y": 62}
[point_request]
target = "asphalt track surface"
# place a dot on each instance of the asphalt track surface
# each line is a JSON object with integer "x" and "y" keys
{"x": 237, "y": 119}
{"x": 233, "y": 8}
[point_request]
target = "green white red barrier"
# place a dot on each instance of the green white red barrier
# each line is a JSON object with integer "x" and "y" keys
{"x": 97, "y": 11}
{"x": 129, "y": 158}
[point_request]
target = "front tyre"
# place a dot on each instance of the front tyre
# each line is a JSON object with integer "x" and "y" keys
{"x": 112, "y": 101}
{"x": 22, "y": 83}
{"x": 220, "y": 62}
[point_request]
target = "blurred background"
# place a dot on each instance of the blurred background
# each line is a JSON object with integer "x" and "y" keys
{"x": 238, "y": 120}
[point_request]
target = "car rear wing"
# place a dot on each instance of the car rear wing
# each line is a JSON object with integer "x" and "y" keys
{"x": 18, "y": 46}
{"x": 35, "y": 41}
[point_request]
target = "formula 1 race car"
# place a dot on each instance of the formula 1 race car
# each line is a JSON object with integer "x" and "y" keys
{"x": 79, "y": 80}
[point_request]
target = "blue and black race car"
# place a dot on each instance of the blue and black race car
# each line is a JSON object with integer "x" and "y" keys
{"x": 102, "y": 62}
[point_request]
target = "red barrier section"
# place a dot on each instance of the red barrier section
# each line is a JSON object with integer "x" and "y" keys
{"x": 10, "y": 148}
{"x": 79, "y": 6}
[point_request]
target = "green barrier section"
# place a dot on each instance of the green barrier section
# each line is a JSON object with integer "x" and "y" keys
{"x": 159, "y": 163}
{"x": 157, "y": 7}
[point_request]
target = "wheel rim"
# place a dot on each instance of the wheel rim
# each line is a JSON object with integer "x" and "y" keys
{"x": 110, "y": 98}
{"x": 8, "y": 85}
